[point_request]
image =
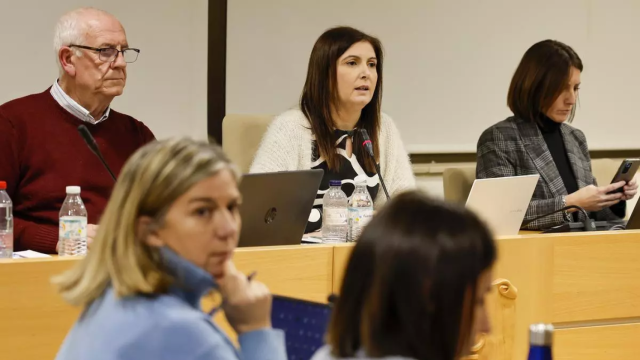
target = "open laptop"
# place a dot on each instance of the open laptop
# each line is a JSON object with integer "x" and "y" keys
{"x": 502, "y": 202}
{"x": 632, "y": 224}
{"x": 276, "y": 206}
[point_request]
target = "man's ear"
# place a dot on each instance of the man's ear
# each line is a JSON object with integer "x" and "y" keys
{"x": 67, "y": 61}
{"x": 145, "y": 232}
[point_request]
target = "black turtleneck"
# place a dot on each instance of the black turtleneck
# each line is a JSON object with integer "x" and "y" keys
{"x": 553, "y": 137}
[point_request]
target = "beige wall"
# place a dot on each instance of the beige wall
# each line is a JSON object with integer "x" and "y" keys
{"x": 448, "y": 62}
{"x": 166, "y": 87}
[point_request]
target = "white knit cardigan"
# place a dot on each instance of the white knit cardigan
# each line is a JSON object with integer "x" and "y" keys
{"x": 286, "y": 146}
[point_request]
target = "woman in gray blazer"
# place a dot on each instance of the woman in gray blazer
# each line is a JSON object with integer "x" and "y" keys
{"x": 538, "y": 140}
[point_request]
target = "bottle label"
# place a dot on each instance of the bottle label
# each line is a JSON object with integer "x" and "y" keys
{"x": 360, "y": 216}
{"x": 73, "y": 228}
{"x": 335, "y": 217}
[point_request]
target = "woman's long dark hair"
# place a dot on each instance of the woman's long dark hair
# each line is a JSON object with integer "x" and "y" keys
{"x": 541, "y": 76}
{"x": 406, "y": 289}
{"x": 320, "y": 93}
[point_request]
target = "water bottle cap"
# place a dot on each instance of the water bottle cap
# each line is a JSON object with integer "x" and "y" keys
{"x": 541, "y": 334}
{"x": 335, "y": 182}
{"x": 361, "y": 181}
{"x": 73, "y": 190}
{"x": 3, "y": 185}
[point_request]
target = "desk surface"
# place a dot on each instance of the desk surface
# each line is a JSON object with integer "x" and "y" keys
{"x": 585, "y": 283}
{"x": 35, "y": 320}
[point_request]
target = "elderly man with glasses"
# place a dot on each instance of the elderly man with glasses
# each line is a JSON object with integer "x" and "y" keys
{"x": 41, "y": 151}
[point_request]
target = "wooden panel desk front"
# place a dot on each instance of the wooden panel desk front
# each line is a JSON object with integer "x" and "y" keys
{"x": 33, "y": 317}
{"x": 34, "y": 320}
{"x": 586, "y": 284}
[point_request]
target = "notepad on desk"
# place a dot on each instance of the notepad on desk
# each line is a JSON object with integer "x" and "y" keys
{"x": 29, "y": 254}
{"x": 310, "y": 239}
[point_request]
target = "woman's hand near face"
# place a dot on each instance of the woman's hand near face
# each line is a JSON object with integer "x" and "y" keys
{"x": 246, "y": 303}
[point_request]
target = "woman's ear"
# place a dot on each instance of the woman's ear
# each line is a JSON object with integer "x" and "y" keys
{"x": 146, "y": 232}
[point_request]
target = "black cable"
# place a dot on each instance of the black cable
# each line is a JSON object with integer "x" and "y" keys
{"x": 368, "y": 147}
{"x": 588, "y": 225}
{"x": 384, "y": 187}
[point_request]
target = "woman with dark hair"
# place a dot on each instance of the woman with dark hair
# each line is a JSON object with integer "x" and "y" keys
{"x": 538, "y": 140}
{"x": 415, "y": 285}
{"x": 342, "y": 94}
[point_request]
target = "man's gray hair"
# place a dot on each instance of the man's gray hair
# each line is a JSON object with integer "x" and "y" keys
{"x": 71, "y": 29}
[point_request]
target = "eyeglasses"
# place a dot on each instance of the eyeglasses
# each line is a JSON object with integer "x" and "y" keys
{"x": 111, "y": 54}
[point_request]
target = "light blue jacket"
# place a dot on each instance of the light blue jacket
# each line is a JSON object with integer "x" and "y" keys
{"x": 166, "y": 327}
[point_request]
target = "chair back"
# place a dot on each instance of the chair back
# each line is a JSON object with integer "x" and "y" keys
{"x": 241, "y": 136}
{"x": 457, "y": 183}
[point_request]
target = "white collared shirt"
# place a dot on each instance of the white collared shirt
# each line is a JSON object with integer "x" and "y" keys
{"x": 73, "y": 107}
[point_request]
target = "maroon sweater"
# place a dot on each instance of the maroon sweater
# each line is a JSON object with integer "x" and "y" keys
{"x": 41, "y": 152}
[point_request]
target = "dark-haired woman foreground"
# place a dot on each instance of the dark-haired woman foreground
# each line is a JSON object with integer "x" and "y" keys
{"x": 415, "y": 285}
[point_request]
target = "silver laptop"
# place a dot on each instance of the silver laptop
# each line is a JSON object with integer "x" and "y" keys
{"x": 276, "y": 206}
{"x": 634, "y": 220}
{"x": 502, "y": 202}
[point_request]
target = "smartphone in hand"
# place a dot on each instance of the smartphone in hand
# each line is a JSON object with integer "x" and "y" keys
{"x": 626, "y": 172}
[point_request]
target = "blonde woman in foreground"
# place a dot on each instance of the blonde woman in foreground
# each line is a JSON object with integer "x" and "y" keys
{"x": 166, "y": 238}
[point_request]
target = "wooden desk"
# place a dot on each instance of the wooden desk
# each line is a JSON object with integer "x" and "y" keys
{"x": 34, "y": 320}
{"x": 586, "y": 284}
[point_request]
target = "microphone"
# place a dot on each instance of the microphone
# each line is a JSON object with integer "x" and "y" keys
{"x": 589, "y": 224}
{"x": 91, "y": 143}
{"x": 366, "y": 143}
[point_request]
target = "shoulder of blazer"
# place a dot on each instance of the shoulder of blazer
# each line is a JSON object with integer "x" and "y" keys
{"x": 507, "y": 128}
{"x": 569, "y": 129}
{"x": 575, "y": 139}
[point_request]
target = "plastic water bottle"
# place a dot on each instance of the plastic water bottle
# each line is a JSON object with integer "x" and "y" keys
{"x": 360, "y": 210}
{"x": 6, "y": 223}
{"x": 540, "y": 342}
{"x": 73, "y": 224}
{"x": 334, "y": 214}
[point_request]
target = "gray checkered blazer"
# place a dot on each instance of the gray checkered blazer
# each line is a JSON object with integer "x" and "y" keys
{"x": 515, "y": 147}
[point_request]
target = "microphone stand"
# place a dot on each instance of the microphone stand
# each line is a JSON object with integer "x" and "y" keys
{"x": 93, "y": 146}
{"x": 384, "y": 187}
{"x": 366, "y": 144}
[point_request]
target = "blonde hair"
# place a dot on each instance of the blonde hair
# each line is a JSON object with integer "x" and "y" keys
{"x": 151, "y": 180}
